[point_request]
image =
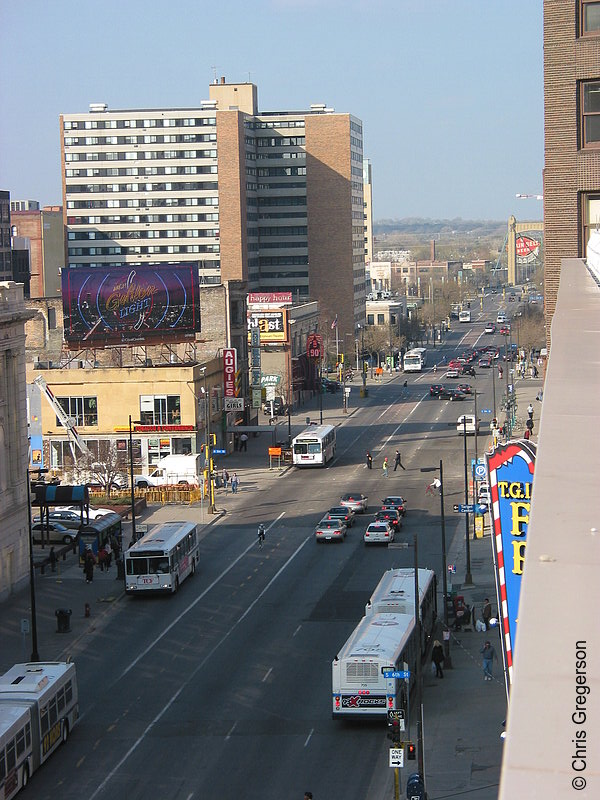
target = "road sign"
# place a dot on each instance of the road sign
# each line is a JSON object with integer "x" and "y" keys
{"x": 397, "y": 673}
{"x": 480, "y": 471}
{"x": 486, "y": 410}
{"x": 218, "y": 452}
{"x": 481, "y": 508}
{"x": 233, "y": 404}
{"x": 464, "y": 509}
{"x": 395, "y": 713}
{"x": 396, "y": 757}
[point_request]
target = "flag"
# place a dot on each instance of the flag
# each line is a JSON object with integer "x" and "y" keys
{"x": 334, "y": 323}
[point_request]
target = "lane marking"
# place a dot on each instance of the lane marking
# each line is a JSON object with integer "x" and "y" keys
{"x": 312, "y": 730}
{"x": 296, "y": 631}
{"x": 231, "y": 730}
{"x": 194, "y": 602}
{"x": 200, "y": 666}
{"x": 267, "y": 675}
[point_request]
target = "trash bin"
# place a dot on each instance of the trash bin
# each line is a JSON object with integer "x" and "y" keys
{"x": 415, "y": 788}
{"x": 63, "y": 620}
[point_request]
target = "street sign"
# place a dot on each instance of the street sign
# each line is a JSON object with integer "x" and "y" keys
{"x": 396, "y": 757}
{"x": 480, "y": 471}
{"x": 218, "y": 452}
{"x": 347, "y": 390}
{"x": 452, "y": 569}
{"x": 486, "y": 410}
{"x": 464, "y": 509}
{"x": 481, "y": 508}
{"x": 233, "y": 403}
{"x": 397, "y": 673}
{"x": 395, "y": 713}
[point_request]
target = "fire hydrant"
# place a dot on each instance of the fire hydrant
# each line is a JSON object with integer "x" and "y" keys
{"x": 87, "y": 609}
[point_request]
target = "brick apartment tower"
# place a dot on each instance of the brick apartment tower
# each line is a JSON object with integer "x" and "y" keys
{"x": 572, "y": 135}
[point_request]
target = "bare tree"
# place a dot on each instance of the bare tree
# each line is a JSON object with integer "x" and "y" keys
{"x": 107, "y": 466}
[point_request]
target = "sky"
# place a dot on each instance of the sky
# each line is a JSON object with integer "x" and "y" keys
{"x": 450, "y": 92}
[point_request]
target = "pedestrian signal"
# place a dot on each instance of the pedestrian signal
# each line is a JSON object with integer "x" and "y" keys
{"x": 394, "y": 730}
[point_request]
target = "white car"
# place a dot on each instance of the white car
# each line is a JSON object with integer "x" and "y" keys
{"x": 95, "y": 513}
{"x": 379, "y": 532}
{"x": 453, "y": 372}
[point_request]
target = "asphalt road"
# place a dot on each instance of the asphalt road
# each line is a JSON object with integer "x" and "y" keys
{"x": 224, "y": 690}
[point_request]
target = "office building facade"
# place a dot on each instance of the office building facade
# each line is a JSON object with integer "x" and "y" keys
{"x": 571, "y": 135}
{"x": 273, "y": 198}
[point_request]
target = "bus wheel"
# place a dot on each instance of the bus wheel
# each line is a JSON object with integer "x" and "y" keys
{"x": 25, "y": 778}
{"x": 65, "y": 732}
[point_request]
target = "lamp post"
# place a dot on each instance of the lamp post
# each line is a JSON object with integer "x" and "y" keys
{"x": 468, "y": 576}
{"x": 35, "y": 656}
{"x": 447, "y": 657}
{"x": 133, "y": 530}
{"x": 290, "y": 381}
{"x": 419, "y": 678}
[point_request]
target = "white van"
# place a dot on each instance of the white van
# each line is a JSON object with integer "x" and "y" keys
{"x": 470, "y": 426}
{"x": 171, "y": 470}
{"x": 501, "y": 319}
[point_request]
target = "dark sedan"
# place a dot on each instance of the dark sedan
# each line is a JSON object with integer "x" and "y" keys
{"x": 391, "y": 515}
{"x": 435, "y": 389}
{"x": 451, "y": 394}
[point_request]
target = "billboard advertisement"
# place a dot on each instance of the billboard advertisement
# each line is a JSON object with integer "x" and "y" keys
{"x": 105, "y": 306}
{"x": 510, "y": 469}
{"x": 272, "y": 325}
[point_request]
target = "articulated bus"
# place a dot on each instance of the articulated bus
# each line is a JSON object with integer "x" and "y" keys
{"x": 380, "y": 643}
{"x": 314, "y": 447}
{"x": 162, "y": 559}
{"x": 415, "y": 360}
{"x": 38, "y": 709}
{"x": 395, "y": 594}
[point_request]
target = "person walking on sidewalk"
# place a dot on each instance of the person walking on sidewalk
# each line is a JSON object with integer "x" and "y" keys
{"x": 437, "y": 657}
{"x": 243, "y": 442}
{"x": 530, "y": 411}
{"x": 369, "y": 460}
{"x": 486, "y": 613}
{"x": 52, "y": 559}
{"x": 488, "y": 654}
{"x": 234, "y": 483}
{"x": 385, "y": 467}
{"x": 225, "y": 478}
{"x": 398, "y": 461}
{"x": 88, "y": 566}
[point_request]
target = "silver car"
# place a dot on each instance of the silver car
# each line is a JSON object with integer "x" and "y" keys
{"x": 329, "y": 530}
{"x": 379, "y": 532}
{"x": 356, "y": 501}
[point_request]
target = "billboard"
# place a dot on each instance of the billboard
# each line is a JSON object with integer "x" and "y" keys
{"x": 105, "y": 306}
{"x": 510, "y": 469}
{"x": 272, "y": 325}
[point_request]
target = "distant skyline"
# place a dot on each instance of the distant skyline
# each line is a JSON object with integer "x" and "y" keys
{"x": 450, "y": 92}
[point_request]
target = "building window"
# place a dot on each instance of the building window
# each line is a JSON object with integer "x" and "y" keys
{"x": 381, "y": 319}
{"x": 590, "y": 111}
{"x": 160, "y": 409}
{"x": 589, "y": 17}
{"x": 370, "y": 319}
{"x": 590, "y": 216}
{"x": 83, "y": 410}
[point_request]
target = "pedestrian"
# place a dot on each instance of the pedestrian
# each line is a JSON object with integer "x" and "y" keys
{"x": 244, "y": 442}
{"x": 398, "y": 461}
{"x": 437, "y": 658}
{"x": 308, "y": 796}
{"x": 369, "y": 460}
{"x": 225, "y": 477}
{"x": 535, "y": 371}
{"x": 88, "y": 566}
{"x": 235, "y": 482}
{"x": 530, "y": 411}
{"x": 52, "y": 559}
{"x": 527, "y": 433}
{"x": 489, "y": 654}
{"x": 434, "y": 486}
{"x": 108, "y": 551}
{"x": 486, "y": 613}
{"x": 114, "y": 543}
{"x": 385, "y": 467}
{"x": 102, "y": 555}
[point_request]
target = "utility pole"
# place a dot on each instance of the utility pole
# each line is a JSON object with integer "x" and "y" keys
{"x": 420, "y": 754}
{"x": 468, "y": 576}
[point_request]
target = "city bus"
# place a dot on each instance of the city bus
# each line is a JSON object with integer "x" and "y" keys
{"x": 314, "y": 447}
{"x": 162, "y": 559}
{"x": 38, "y": 709}
{"x": 380, "y": 643}
{"x": 415, "y": 360}
{"x": 464, "y": 316}
{"x": 395, "y": 594}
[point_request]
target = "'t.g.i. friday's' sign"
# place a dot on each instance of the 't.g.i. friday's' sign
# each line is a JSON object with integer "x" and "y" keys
{"x": 510, "y": 470}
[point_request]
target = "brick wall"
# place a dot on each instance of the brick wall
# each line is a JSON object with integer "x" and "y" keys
{"x": 232, "y": 195}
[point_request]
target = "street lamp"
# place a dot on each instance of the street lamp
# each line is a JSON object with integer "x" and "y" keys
{"x": 419, "y": 677}
{"x": 35, "y": 656}
{"x": 133, "y": 530}
{"x": 468, "y": 576}
{"x": 447, "y": 657}
{"x": 290, "y": 382}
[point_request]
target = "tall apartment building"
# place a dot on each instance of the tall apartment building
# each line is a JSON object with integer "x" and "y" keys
{"x": 272, "y": 198}
{"x": 571, "y": 135}
{"x": 5, "y": 250}
{"x": 368, "y": 206}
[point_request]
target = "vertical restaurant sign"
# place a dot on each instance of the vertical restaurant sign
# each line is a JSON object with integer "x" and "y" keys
{"x": 510, "y": 468}
{"x": 229, "y": 370}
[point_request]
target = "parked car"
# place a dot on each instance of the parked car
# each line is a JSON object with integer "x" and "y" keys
{"x": 330, "y": 386}
{"x": 341, "y": 512}
{"x": 94, "y": 513}
{"x": 394, "y": 501}
{"x": 379, "y": 532}
{"x": 279, "y": 407}
{"x": 391, "y": 516}
{"x": 329, "y": 530}
{"x": 56, "y": 532}
{"x": 356, "y": 501}
{"x": 69, "y": 519}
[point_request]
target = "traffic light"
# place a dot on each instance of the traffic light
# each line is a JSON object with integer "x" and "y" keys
{"x": 494, "y": 423}
{"x": 411, "y": 751}
{"x": 394, "y": 730}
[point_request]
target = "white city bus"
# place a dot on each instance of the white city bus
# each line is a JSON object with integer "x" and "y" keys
{"x": 314, "y": 447}
{"x": 162, "y": 559}
{"x": 464, "y": 316}
{"x": 381, "y": 643}
{"x": 38, "y": 708}
{"x": 415, "y": 360}
{"x": 395, "y": 594}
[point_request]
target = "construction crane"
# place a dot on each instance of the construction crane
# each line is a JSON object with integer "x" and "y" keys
{"x": 65, "y": 420}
